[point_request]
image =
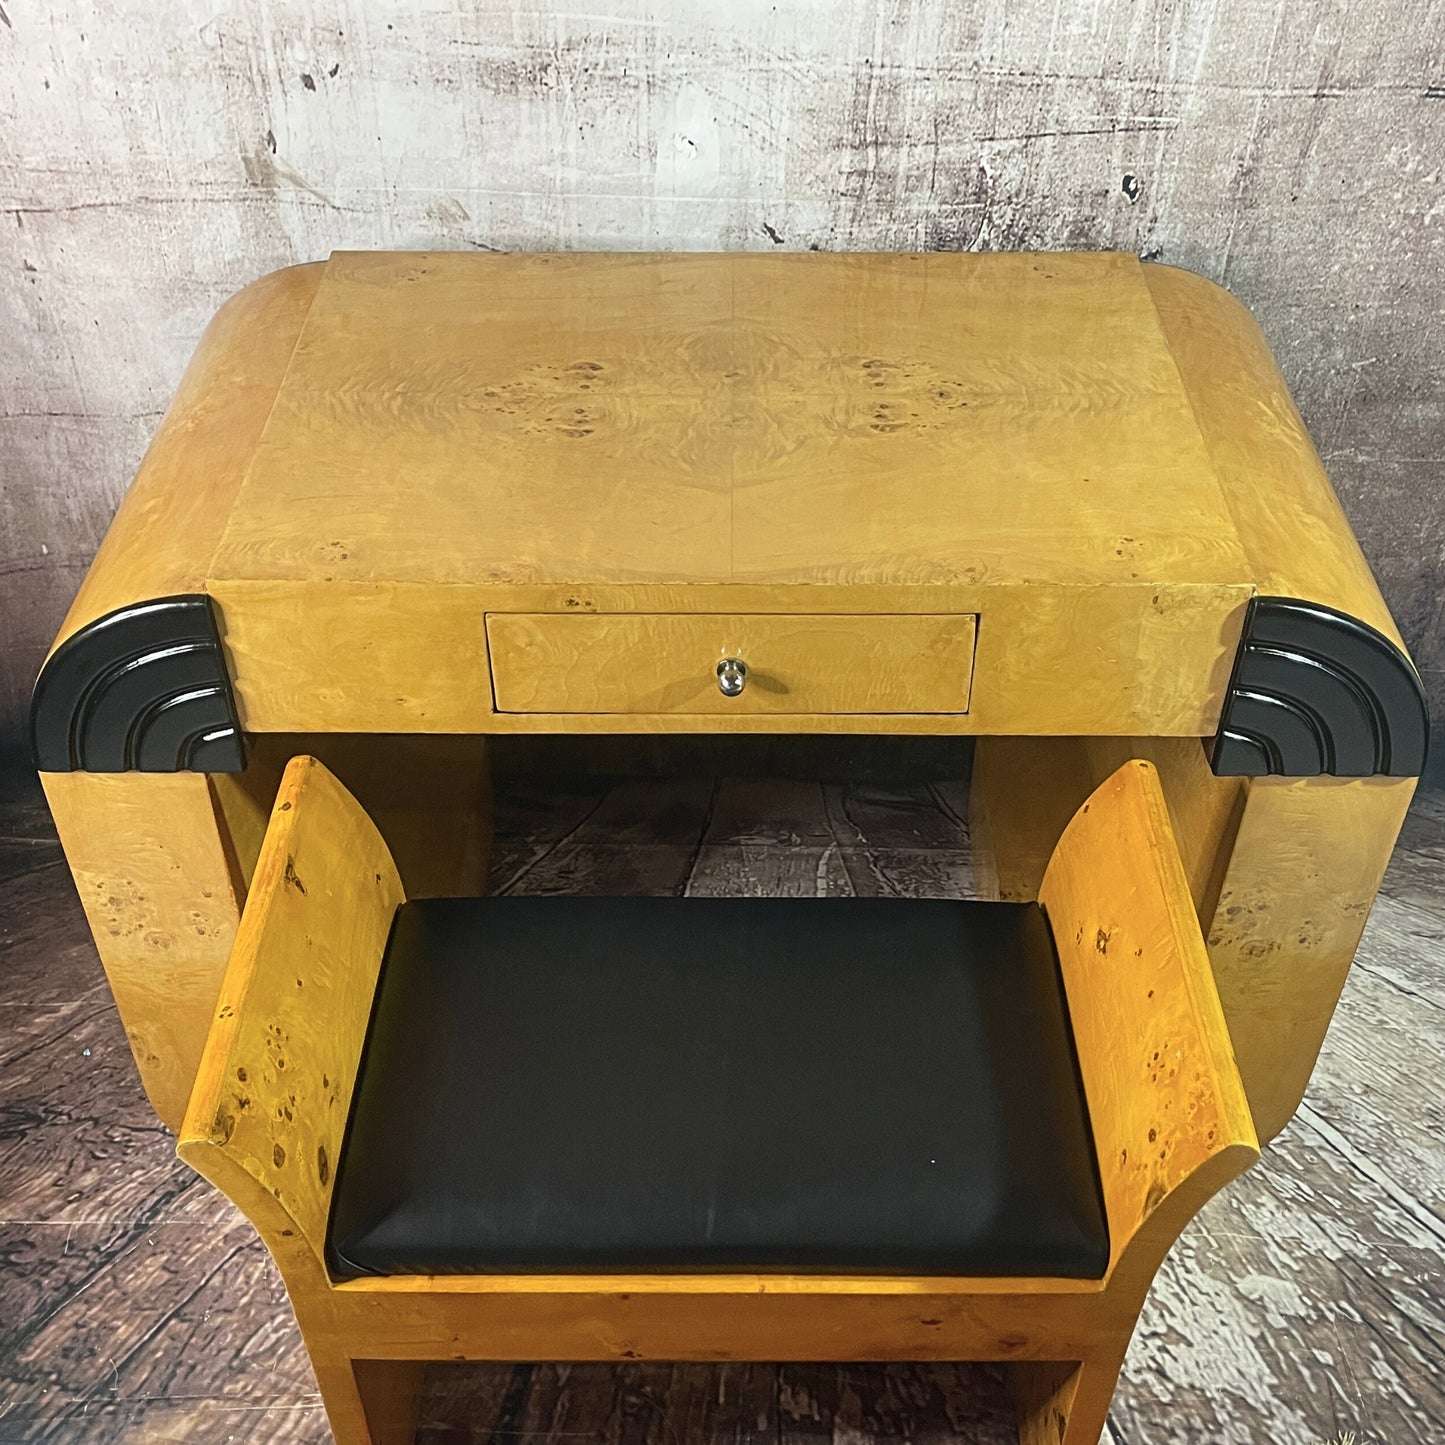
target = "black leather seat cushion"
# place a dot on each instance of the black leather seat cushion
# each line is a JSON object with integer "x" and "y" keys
{"x": 719, "y": 1084}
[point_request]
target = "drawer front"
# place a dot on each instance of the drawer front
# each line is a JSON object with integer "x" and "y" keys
{"x": 668, "y": 663}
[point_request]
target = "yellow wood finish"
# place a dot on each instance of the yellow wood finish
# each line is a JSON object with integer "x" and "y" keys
{"x": 1166, "y": 1105}
{"x": 924, "y": 419}
{"x": 159, "y": 890}
{"x": 1286, "y": 514}
{"x": 543, "y": 662}
{"x": 151, "y": 855}
{"x": 327, "y": 657}
{"x": 429, "y": 794}
{"x": 1283, "y": 873}
{"x": 1015, "y": 830}
{"x": 270, "y": 1102}
{"x": 275, "y": 1082}
{"x": 162, "y": 863}
{"x": 1296, "y": 893}
{"x": 1097, "y": 459}
{"x": 731, "y": 434}
{"x": 171, "y": 519}
{"x": 1049, "y": 1393}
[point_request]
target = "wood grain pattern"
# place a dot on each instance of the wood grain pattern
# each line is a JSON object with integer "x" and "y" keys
{"x": 595, "y": 418}
{"x": 1302, "y": 876}
{"x": 67, "y": 1160}
{"x": 1283, "y": 873}
{"x": 163, "y": 862}
{"x": 653, "y": 434}
{"x": 332, "y": 655}
{"x": 1293, "y": 530}
{"x": 1115, "y": 876}
{"x": 1249, "y": 148}
{"x": 1323, "y": 1300}
{"x": 172, "y": 517}
{"x": 620, "y": 663}
{"x": 430, "y": 796}
{"x": 149, "y": 858}
{"x": 1015, "y": 829}
{"x": 274, "y": 1086}
{"x": 636, "y": 837}
{"x": 1303, "y": 1302}
{"x": 1170, "y": 1119}
{"x": 48, "y": 949}
{"x": 805, "y": 437}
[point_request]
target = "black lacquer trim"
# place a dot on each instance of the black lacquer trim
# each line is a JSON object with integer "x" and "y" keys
{"x": 143, "y": 688}
{"x": 1317, "y": 691}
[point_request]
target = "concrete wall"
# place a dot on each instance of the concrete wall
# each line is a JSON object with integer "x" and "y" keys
{"x": 153, "y": 158}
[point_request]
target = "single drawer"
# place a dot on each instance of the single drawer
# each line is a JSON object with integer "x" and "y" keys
{"x": 552, "y": 662}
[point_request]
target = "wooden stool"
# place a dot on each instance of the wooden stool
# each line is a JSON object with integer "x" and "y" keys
{"x": 615, "y": 1129}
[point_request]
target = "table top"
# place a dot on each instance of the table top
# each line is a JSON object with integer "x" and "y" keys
{"x": 775, "y": 419}
{"x": 1081, "y": 466}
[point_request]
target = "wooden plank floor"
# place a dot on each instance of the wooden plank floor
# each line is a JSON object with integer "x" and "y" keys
{"x": 1307, "y": 1302}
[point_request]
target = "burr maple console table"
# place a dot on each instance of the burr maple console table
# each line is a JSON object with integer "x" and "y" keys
{"x": 1062, "y": 503}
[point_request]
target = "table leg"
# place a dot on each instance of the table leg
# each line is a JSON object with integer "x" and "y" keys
{"x": 162, "y": 892}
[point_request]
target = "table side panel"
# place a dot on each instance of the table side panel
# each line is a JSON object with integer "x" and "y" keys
{"x": 160, "y": 887}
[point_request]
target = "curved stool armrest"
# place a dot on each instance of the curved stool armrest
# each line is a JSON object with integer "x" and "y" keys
{"x": 1170, "y": 1120}
{"x": 270, "y": 1103}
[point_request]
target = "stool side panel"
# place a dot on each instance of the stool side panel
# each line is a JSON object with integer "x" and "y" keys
{"x": 1166, "y": 1102}
{"x": 273, "y": 1089}
{"x": 1283, "y": 872}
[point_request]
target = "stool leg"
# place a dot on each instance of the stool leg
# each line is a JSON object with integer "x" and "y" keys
{"x": 1063, "y": 1403}
{"x": 370, "y": 1402}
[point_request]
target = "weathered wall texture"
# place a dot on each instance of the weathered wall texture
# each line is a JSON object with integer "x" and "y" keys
{"x": 153, "y": 158}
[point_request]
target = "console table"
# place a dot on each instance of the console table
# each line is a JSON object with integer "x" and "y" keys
{"x": 1061, "y": 503}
